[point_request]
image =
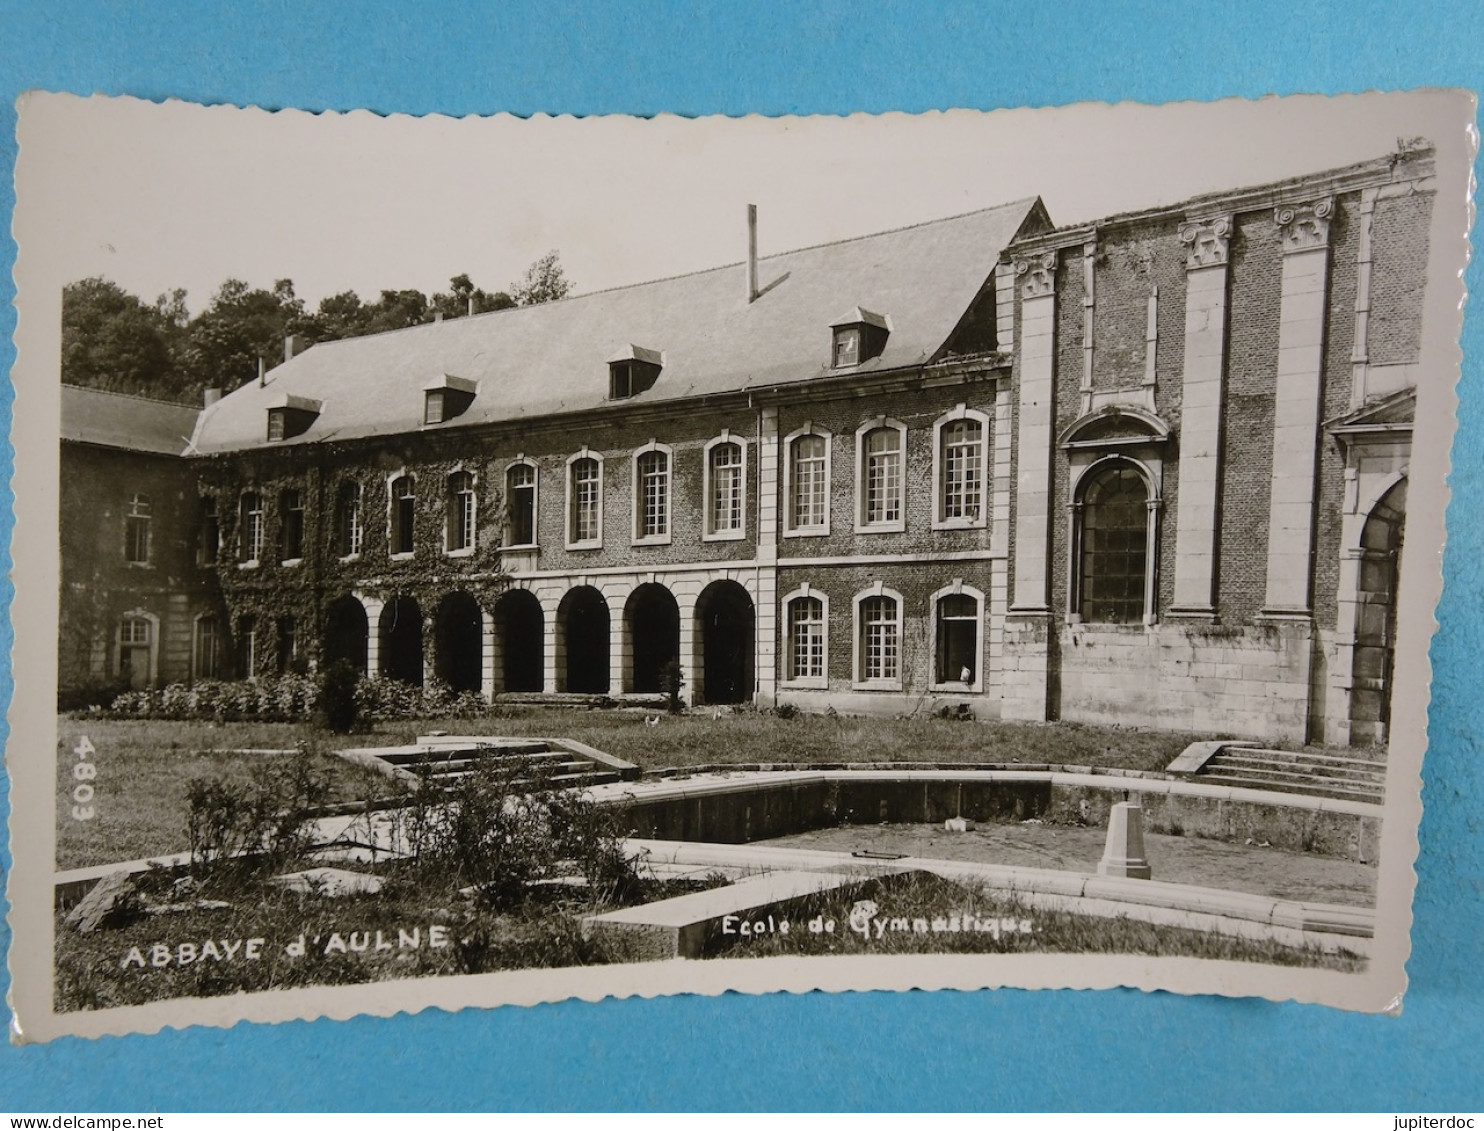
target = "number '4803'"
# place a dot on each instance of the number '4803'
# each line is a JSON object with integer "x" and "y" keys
{"x": 83, "y": 772}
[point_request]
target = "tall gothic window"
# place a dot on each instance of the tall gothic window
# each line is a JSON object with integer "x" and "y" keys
{"x": 1114, "y": 541}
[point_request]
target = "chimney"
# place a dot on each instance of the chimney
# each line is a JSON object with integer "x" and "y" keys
{"x": 473, "y": 306}
{"x": 751, "y": 252}
{"x": 262, "y": 371}
{"x": 294, "y": 344}
{"x": 212, "y": 396}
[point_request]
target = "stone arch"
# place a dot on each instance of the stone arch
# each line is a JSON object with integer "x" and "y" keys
{"x": 725, "y": 640}
{"x": 400, "y": 633}
{"x": 582, "y": 641}
{"x": 1373, "y": 664}
{"x": 520, "y": 631}
{"x": 652, "y": 628}
{"x": 458, "y": 641}
{"x": 347, "y": 632}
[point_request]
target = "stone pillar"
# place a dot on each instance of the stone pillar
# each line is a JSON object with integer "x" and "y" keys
{"x": 1360, "y": 353}
{"x": 1304, "y": 230}
{"x": 1201, "y": 407}
{"x": 1027, "y": 622}
{"x": 553, "y": 656}
{"x": 1035, "y": 442}
{"x": 1001, "y": 477}
{"x": 373, "y": 609}
{"x": 619, "y": 648}
{"x": 692, "y": 661}
{"x": 488, "y": 656}
{"x": 1004, "y": 307}
{"x": 1089, "y": 314}
{"x": 765, "y": 596}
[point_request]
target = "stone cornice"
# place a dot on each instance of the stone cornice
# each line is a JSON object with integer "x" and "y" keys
{"x": 1396, "y": 173}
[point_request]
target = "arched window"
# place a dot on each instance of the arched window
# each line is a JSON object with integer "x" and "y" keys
{"x": 960, "y": 458}
{"x": 520, "y": 505}
{"x": 806, "y": 616}
{"x": 880, "y": 452}
{"x": 136, "y": 530}
{"x": 403, "y": 516}
{"x": 584, "y": 501}
{"x": 1114, "y": 528}
{"x": 652, "y": 494}
{"x": 957, "y": 637}
{"x": 250, "y": 545}
{"x": 726, "y": 488}
{"x": 461, "y": 510}
{"x": 136, "y": 650}
{"x": 807, "y": 482}
{"x": 349, "y": 530}
{"x": 878, "y": 640}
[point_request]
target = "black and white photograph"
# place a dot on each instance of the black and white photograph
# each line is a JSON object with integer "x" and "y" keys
{"x": 467, "y": 562}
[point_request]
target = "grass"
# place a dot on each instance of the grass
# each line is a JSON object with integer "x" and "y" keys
{"x": 143, "y": 766}
{"x": 908, "y": 907}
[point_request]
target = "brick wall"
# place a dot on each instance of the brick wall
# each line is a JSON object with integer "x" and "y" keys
{"x": 1399, "y": 235}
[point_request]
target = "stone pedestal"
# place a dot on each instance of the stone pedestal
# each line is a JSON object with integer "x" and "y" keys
{"x": 1124, "y": 853}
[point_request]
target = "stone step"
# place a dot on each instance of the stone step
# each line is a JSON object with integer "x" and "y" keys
{"x": 404, "y": 756}
{"x": 552, "y": 769}
{"x": 1303, "y": 756}
{"x": 1348, "y": 791}
{"x": 1296, "y": 770}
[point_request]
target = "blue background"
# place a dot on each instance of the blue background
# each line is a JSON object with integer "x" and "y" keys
{"x": 1117, "y": 1049}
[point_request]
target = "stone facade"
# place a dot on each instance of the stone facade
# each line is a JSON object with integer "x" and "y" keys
{"x": 1155, "y": 475}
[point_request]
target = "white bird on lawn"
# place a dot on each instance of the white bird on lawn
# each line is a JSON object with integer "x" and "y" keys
{"x": 651, "y": 720}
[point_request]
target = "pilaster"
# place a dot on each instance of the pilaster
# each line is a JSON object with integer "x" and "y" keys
{"x": 1035, "y": 440}
{"x": 1304, "y": 231}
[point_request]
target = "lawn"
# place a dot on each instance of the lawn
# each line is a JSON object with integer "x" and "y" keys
{"x": 142, "y": 767}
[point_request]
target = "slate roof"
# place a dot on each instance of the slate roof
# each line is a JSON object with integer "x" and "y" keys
{"x": 539, "y": 360}
{"x": 118, "y": 420}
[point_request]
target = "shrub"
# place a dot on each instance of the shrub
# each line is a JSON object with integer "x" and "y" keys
{"x": 337, "y": 697}
{"x": 672, "y": 679}
{"x": 267, "y": 820}
{"x": 90, "y": 693}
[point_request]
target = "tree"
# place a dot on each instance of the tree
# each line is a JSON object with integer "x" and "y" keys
{"x": 240, "y": 326}
{"x": 111, "y": 340}
{"x": 544, "y": 281}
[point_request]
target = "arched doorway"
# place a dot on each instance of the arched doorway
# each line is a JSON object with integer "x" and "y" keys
{"x": 1374, "y": 661}
{"x": 519, "y": 628}
{"x": 652, "y": 622}
{"x": 724, "y": 638}
{"x": 582, "y": 636}
{"x": 401, "y": 638}
{"x": 458, "y": 632}
{"x": 346, "y": 633}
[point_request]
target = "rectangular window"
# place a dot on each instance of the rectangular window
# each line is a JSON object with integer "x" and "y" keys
{"x": 958, "y": 638}
{"x": 404, "y": 514}
{"x": 586, "y": 500}
{"x": 276, "y": 429}
{"x": 134, "y": 651}
{"x": 810, "y": 481}
{"x": 210, "y": 534}
{"x": 847, "y": 348}
{"x": 879, "y": 639}
{"x": 460, "y": 511}
{"x": 883, "y": 477}
{"x": 247, "y": 647}
{"x": 654, "y": 495}
{"x": 208, "y": 646}
{"x": 433, "y": 407}
{"x": 520, "y": 483}
{"x": 288, "y": 644}
{"x": 291, "y": 509}
{"x": 806, "y": 636}
{"x": 251, "y": 548}
{"x": 136, "y": 531}
{"x": 348, "y": 527}
{"x": 726, "y": 488}
{"x": 963, "y": 470}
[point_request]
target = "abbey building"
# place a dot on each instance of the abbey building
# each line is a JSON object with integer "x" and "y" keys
{"x": 1150, "y": 470}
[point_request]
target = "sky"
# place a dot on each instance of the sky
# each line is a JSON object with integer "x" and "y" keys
{"x": 158, "y": 196}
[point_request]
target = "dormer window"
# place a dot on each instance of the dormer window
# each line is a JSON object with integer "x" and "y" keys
{"x": 291, "y": 416}
{"x": 632, "y": 371}
{"x": 860, "y": 335}
{"x": 447, "y": 397}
